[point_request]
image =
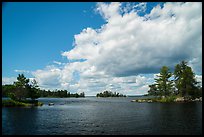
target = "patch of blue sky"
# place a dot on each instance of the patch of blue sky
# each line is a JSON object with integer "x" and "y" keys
{"x": 35, "y": 33}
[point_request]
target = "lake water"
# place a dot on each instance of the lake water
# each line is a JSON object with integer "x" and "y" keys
{"x": 103, "y": 116}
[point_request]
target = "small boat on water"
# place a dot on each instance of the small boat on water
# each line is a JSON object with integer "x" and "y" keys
{"x": 51, "y": 104}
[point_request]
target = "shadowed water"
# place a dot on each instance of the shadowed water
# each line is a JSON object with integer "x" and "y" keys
{"x": 108, "y": 116}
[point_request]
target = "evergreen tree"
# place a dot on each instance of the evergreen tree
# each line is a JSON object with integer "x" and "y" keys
{"x": 33, "y": 90}
{"x": 163, "y": 83}
{"x": 153, "y": 90}
{"x": 7, "y": 90}
{"x": 185, "y": 81}
{"x": 21, "y": 86}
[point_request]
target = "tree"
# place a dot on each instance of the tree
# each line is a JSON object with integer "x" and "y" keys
{"x": 163, "y": 83}
{"x": 21, "y": 86}
{"x": 21, "y": 81}
{"x": 109, "y": 94}
{"x": 7, "y": 90}
{"x": 33, "y": 90}
{"x": 153, "y": 90}
{"x": 185, "y": 81}
{"x": 82, "y": 94}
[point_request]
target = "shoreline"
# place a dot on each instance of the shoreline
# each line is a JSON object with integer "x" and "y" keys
{"x": 13, "y": 103}
{"x": 167, "y": 100}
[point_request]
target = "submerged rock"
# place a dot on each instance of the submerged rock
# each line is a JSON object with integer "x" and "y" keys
{"x": 51, "y": 104}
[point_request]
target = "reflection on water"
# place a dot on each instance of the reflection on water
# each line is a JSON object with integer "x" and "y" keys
{"x": 15, "y": 120}
{"x": 97, "y": 116}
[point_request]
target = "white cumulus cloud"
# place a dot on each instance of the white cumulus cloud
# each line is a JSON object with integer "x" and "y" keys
{"x": 128, "y": 45}
{"x": 8, "y": 80}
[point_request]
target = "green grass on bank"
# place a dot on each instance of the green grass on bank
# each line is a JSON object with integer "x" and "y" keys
{"x": 166, "y": 99}
{"x": 13, "y": 103}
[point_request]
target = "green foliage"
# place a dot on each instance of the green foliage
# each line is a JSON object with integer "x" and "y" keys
{"x": 163, "y": 84}
{"x": 21, "y": 82}
{"x": 12, "y": 96}
{"x": 185, "y": 81}
{"x": 153, "y": 90}
{"x": 167, "y": 99}
{"x": 6, "y": 89}
{"x": 33, "y": 91}
{"x": 13, "y": 103}
{"x": 60, "y": 93}
{"x": 109, "y": 94}
{"x": 25, "y": 103}
{"x": 21, "y": 87}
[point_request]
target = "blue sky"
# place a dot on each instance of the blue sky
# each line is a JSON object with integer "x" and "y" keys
{"x": 55, "y": 43}
{"x": 34, "y": 34}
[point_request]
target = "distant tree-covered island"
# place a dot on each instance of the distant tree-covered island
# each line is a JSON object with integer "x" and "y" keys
{"x": 109, "y": 94}
{"x": 21, "y": 93}
{"x": 182, "y": 88}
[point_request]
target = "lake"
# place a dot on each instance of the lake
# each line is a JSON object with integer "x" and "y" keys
{"x": 103, "y": 116}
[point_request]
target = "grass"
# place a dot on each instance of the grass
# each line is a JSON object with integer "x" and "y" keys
{"x": 166, "y": 99}
{"x": 13, "y": 103}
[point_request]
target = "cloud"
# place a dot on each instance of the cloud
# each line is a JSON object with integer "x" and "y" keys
{"x": 129, "y": 44}
{"x": 57, "y": 62}
{"x": 11, "y": 80}
{"x": 125, "y": 52}
{"x": 48, "y": 78}
{"x": 8, "y": 80}
{"x": 22, "y": 71}
{"x": 132, "y": 7}
{"x": 108, "y": 11}
{"x": 199, "y": 79}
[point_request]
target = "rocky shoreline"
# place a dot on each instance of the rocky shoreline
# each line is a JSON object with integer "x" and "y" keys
{"x": 163, "y": 100}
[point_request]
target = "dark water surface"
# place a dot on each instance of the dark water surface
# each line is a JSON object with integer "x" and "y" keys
{"x": 108, "y": 116}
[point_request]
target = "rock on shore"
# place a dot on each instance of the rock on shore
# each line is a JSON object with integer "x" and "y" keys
{"x": 178, "y": 99}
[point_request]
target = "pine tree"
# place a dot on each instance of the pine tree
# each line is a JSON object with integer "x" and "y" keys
{"x": 21, "y": 86}
{"x": 33, "y": 90}
{"x": 163, "y": 84}
{"x": 185, "y": 79}
{"x": 153, "y": 90}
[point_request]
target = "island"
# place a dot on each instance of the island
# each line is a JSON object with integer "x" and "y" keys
{"x": 182, "y": 87}
{"x": 24, "y": 93}
{"x": 109, "y": 94}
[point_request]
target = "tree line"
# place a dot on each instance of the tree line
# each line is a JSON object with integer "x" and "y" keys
{"x": 109, "y": 94}
{"x": 60, "y": 93}
{"x": 181, "y": 82}
{"x": 22, "y": 89}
